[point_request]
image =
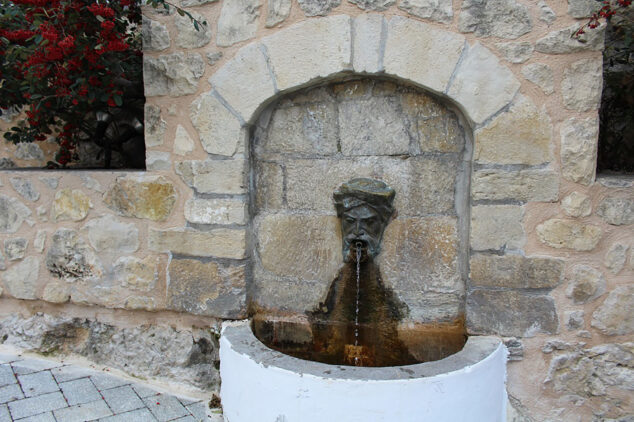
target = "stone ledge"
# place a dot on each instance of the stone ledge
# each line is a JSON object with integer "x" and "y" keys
{"x": 219, "y": 243}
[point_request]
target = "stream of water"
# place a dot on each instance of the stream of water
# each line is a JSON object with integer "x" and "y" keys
{"x": 356, "y": 312}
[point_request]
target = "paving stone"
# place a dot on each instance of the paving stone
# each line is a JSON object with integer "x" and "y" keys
{"x": 79, "y": 391}
{"x": 122, "y": 399}
{"x": 139, "y": 415}
{"x": 38, "y": 383}
{"x": 42, "y": 417}
{"x": 144, "y": 391}
{"x": 104, "y": 382}
{"x": 83, "y": 412}
{"x": 198, "y": 410}
{"x": 7, "y": 358}
{"x": 69, "y": 373}
{"x": 30, "y": 365}
{"x": 187, "y": 418}
{"x": 6, "y": 376}
{"x": 165, "y": 408}
{"x": 36, "y": 405}
{"x": 10, "y": 393}
{"x": 4, "y": 413}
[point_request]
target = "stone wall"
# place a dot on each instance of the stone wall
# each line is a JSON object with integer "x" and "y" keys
{"x": 550, "y": 257}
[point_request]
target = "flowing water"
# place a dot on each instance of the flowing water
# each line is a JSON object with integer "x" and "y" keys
{"x": 356, "y": 312}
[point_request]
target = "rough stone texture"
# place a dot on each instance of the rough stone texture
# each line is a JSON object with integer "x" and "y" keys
{"x": 367, "y": 47}
{"x": 70, "y": 204}
{"x": 40, "y": 241}
{"x": 593, "y": 372}
{"x": 328, "y": 40}
{"x": 515, "y": 271}
{"x": 481, "y": 72}
{"x": 585, "y": 284}
{"x": 432, "y": 307}
{"x": 269, "y": 186}
{"x": 515, "y": 348}
{"x": 70, "y": 258}
{"x": 237, "y": 21}
{"x": 615, "y": 316}
{"x": 494, "y": 18}
{"x": 50, "y": 182}
{"x": 576, "y": 204}
{"x": 541, "y": 75}
{"x": 146, "y": 197}
{"x": 12, "y": 214}
{"x": 188, "y": 3}
{"x": 574, "y": 320}
{"x": 377, "y": 5}
{"x": 173, "y": 74}
{"x": 3, "y": 263}
{"x": 25, "y": 188}
{"x": 154, "y": 126}
{"x": 157, "y": 161}
{"x": 530, "y": 142}
{"x": 581, "y": 85}
{"x": 186, "y": 34}
{"x": 510, "y": 313}
{"x": 412, "y": 45}
{"x": 516, "y": 52}
{"x": 6, "y": 163}
{"x": 520, "y": 185}
{"x": 181, "y": 356}
{"x": 15, "y": 248}
{"x": 245, "y": 81}
{"x": 183, "y": 143}
{"x": 206, "y": 288}
{"x": 220, "y": 243}
{"x": 546, "y": 14}
{"x": 213, "y": 57}
{"x": 583, "y": 8}
{"x": 155, "y": 35}
{"x": 137, "y": 274}
{"x": 277, "y": 11}
{"x": 570, "y": 234}
{"x": 617, "y": 210}
{"x": 218, "y": 128}
{"x": 110, "y": 235}
{"x": 29, "y": 151}
{"x": 318, "y": 7}
{"x": 495, "y": 227}
{"x": 216, "y": 211}
{"x": 563, "y": 42}
{"x": 21, "y": 279}
{"x": 616, "y": 256}
{"x": 214, "y": 176}
{"x": 579, "y": 139}
{"x": 436, "y": 10}
{"x": 56, "y": 292}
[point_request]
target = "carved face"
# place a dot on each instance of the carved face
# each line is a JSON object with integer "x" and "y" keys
{"x": 361, "y": 224}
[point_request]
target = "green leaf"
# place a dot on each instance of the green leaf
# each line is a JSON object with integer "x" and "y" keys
{"x": 180, "y": 11}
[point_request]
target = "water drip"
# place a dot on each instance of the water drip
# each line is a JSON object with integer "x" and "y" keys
{"x": 356, "y": 312}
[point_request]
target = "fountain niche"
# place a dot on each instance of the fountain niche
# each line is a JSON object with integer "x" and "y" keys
{"x": 357, "y": 306}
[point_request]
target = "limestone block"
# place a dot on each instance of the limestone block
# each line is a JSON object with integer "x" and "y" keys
{"x": 581, "y": 85}
{"x": 70, "y": 204}
{"x": 277, "y": 12}
{"x": 218, "y": 128}
{"x": 576, "y": 204}
{"x": 617, "y": 210}
{"x": 154, "y": 126}
{"x": 186, "y": 34}
{"x": 238, "y": 21}
{"x": 214, "y": 176}
{"x": 50, "y": 182}
{"x": 309, "y": 50}
{"x": 579, "y": 139}
{"x": 157, "y": 161}
{"x": 311, "y": 243}
{"x": 6, "y": 163}
{"x": 368, "y": 30}
{"x": 616, "y": 256}
{"x": 570, "y": 234}
{"x": 155, "y": 35}
{"x": 183, "y": 143}
{"x": 436, "y": 10}
{"x": 574, "y": 320}
{"x": 29, "y": 151}
{"x": 378, "y": 5}
{"x": 615, "y": 317}
{"x": 438, "y": 133}
{"x": 110, "y": 235}
{"x": 25, "y": 188}
{"x": 546, "y": 14}
{"x": 510, "y": 313}
{"x": 15, "y": 248}
{"x": 20, "y": 280}
{"x": 173, "y": 74}
{"x": 3, "y": 262}
{"x": 412, "y": 45}
{"x": 516, "y": 52}
{"x": 563, "y": 42}
{"x": 495, "y": 227}
{"x": 40, "y": 241}
{"x": 373, "y": 127}
{"x": 515, "y": 271}
{"x": 12, "y": 214}
{"x": 585, "y": 284}
{"x": 140, "y": 303}
{"x": 137, "y": 274}
{"x": 206, "y": 288}
{"x": 495, "y": 18}
{"x": 269, "y": 186}
{"x": 56, "y": 292}
{"x": 213, "y": 57}
{"x": 432, "y": 307}
{"x": 147, "y": 197}
{"x": 583, "y": 8}
{"x": 219, "y": 243}
{"x": 245, "y": 81}
{"x": 481, "y": 84}
{"x": 69, "y": 257}
{"x": 541, "y": 75}
{"x": 42, "y": 213}
{"x": 318, "y": 7}
{"x": 520, "y": 185}
{"x": 216, "y": 211}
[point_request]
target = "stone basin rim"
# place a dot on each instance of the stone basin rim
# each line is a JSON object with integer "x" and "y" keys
{"x": 238, "y": 336}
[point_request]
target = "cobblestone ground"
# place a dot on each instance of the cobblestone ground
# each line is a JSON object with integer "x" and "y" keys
{"x": 42, "y": 390}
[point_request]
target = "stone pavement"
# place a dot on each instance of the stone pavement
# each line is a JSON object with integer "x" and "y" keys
{"x": 34, "y": 389}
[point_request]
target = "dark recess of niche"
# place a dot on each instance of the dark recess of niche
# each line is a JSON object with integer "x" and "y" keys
{"x": 616, "y": 136}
